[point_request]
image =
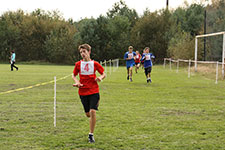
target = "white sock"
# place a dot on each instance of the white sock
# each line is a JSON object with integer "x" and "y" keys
{"x": 90, "y": 133}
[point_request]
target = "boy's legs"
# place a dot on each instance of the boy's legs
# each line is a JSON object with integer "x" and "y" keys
{"x": 92, "y": 120}
{"x": 130, "y": 73}
{"x": 87, "y": 114}
{"x": 13, "y": 65}
{"x": 90, "y": 104}
{"x": 92, "y": 115}
{"x": 148, "y": 74}
{"x": 136, "y": 67}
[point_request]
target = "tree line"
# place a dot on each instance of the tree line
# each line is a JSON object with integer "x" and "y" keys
{"x": 47, "y": 36}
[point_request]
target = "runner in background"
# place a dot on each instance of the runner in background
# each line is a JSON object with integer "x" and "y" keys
{"x": 137, "y": 61}
{"x": 129, "y": 57}
{"x": 147, "y": 57}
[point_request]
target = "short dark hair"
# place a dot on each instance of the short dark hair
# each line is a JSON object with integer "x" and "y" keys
{"x": 85, "y": 46}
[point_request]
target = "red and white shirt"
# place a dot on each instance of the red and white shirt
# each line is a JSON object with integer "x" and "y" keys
{"x": 86, "y": 70}
{"x": 138, "y": 57}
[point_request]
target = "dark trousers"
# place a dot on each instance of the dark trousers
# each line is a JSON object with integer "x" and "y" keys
{"x": 13, "y": 65}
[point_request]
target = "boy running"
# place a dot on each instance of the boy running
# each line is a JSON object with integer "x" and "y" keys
{"x": 129, "y": 57}
{"x": 147, "y": 57}
{"x": 137, "y": 61}
{"x": 88, "y": 87}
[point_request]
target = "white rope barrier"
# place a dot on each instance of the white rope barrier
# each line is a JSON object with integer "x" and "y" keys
{"x": 189, "y": 65}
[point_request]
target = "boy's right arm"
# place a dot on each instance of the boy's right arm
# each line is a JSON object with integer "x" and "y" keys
{"x": 77, "y": 82}
{"x": 75, "y": 73}
{"x": 143, "y": 57}
{"x": 126, "y": 56}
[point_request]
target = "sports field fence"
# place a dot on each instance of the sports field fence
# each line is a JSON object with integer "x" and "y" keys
{"x": 205, "y": 67}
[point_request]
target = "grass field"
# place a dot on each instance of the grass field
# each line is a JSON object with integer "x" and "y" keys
{"x": 173, "y": 112}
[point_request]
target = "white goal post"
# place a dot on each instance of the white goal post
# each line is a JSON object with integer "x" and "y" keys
{"x": 112, "y": 63}
{"x": 207, "y": 35}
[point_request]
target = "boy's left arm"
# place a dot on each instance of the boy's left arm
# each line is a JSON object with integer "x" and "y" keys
{"x": 100, "y": 69}
{"x": 152, "y": 56}
{"x": 75, "y": 73}
{"x": 100, "y": 78}
{"x": 142, "y": 57}
{"x": 77, "y": 82}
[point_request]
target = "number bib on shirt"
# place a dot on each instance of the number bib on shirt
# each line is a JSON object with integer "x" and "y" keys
{"x": 147, "y": 57}
{"x": 87, "y": 68}
{"x": 137, "y": 56}
{"x": 130, "y": 55}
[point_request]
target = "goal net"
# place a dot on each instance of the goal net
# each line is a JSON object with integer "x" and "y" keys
{"x": 210, "y": 63}
{"x": 215, "y": 50}
{"x": 110, "y": 65}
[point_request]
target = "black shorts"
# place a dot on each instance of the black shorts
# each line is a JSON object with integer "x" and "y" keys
{"x": 148, "y": 70}
{"x": 90, "y": 101}
{"x": 136, "y": 63}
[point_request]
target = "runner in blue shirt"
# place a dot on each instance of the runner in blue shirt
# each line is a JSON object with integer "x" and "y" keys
{"x": 147, "y": 57}
{"x": 129, "y": 57}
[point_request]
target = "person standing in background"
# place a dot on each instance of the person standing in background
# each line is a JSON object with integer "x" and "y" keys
{"x": 13, "y": 60}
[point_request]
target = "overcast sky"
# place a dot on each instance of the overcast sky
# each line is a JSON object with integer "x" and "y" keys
{"x": 78, "y": 9}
